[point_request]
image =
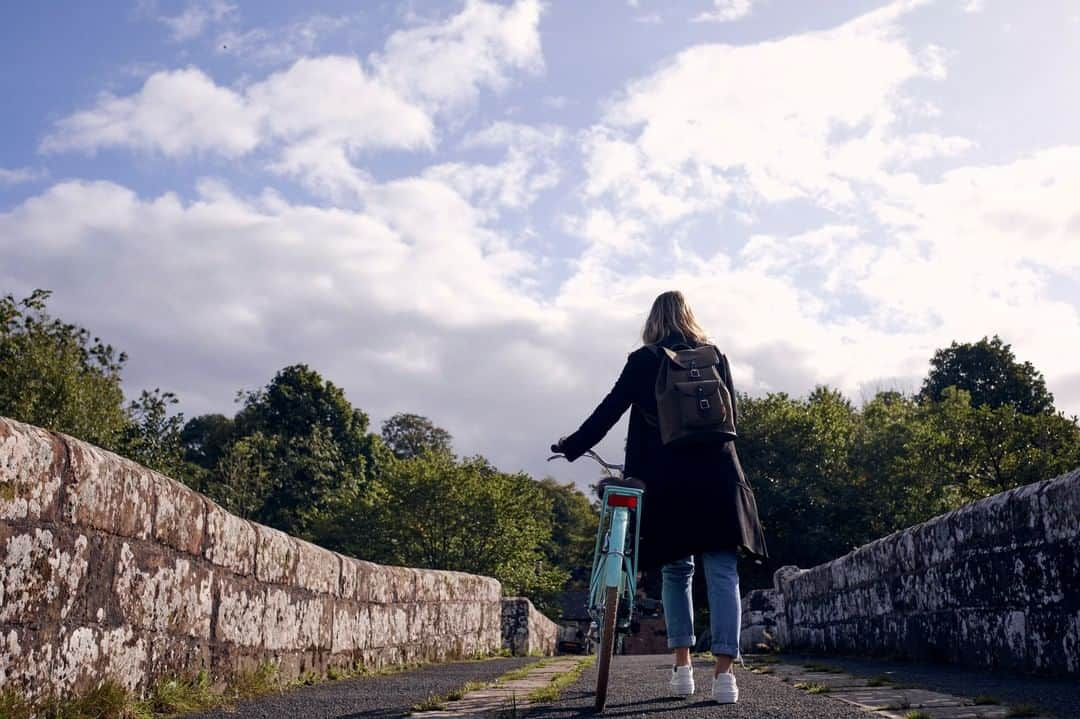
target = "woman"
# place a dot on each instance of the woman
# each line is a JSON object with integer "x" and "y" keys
{"x": 697, "y": 499}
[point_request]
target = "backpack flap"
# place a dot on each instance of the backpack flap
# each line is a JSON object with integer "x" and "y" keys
{"x": 700, "y": 403}
{"x": 696, "y": 358}
{"x": 693, "y": 402}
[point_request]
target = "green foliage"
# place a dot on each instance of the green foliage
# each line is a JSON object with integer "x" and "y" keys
{"x": 989, "y": 371}
{"x": 795, "y": 454}
{"x": 14, "y": 706}
{"x": 296, "y": 454}
{"x": 410, "y": 435}
{"x": 438, "y": 512}
{"x": 55, "y": 375}
{"x": 829, "y": 477}
{"x": 205, "y": 439}
{"x": 573, "y": 529}
{"x": 152, "y": 436}
{"x": 181, "y": 696}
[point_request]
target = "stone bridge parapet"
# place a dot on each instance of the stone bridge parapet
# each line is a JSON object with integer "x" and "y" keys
{"x": 108, "y": 569}
{"x": 995, "y": 583}
{"x": 525, "y": 630}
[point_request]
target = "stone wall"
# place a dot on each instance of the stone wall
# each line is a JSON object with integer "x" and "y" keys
{"x": 525, "y": 631}
{"x": 109, "y": 569}
{"x": 994, "y": 584}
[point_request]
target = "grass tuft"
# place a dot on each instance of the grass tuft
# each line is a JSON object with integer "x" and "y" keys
{"x": 432, "y": 703}
{"x": 464, "y": 689}
{"x": 824, "y": 668}
{"x": 14, "y": 706}
{"x": 108, "y": 700}
{"x": 263, "y": 679}
{"x": 511, "y": 712}
{"x": 880, "y": 680}
{"x": 916, "y": 714}
{"x": 554, "y": 688}
{"x": 523, "y": 672}
{"x": 180, "y": 696}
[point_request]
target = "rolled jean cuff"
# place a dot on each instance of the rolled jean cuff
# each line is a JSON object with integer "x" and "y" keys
{"x": 730, "y": 650}
{"x": 687, "y": 640}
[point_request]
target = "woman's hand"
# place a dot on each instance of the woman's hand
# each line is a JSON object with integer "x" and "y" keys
{"x": 557, "y": 448}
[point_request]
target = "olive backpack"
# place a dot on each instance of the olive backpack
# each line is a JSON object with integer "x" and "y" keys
{"x": 692, "y": 400}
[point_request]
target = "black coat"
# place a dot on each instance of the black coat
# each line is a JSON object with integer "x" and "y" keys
{"x": 697, "y": 498}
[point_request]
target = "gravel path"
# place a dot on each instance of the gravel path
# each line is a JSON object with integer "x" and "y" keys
{"x": 638, "y": 688}
{"x": 379, "y": 697}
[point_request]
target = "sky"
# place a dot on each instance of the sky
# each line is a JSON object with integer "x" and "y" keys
{"x": 465, "y": 209}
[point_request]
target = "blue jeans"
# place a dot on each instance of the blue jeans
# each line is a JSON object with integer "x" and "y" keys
{"x": 722, "y": 581}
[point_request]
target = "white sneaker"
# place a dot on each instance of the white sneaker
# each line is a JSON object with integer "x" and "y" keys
{"x": 724, "y": 689}
{"x": 682, "y": 681}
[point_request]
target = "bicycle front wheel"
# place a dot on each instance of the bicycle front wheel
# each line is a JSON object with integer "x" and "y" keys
{"x": 607, "y": 646}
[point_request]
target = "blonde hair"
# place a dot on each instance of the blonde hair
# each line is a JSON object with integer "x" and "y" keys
{"x": 671, "y": 314}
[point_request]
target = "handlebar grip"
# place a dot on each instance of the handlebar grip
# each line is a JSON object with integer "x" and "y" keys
{"x": 557, "y": 448}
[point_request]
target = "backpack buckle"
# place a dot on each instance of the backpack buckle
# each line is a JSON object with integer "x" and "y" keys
{"x": 695, "y": 373}
{"x": 703, "y": 404}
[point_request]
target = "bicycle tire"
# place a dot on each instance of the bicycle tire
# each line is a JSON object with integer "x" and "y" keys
{"x": 607, "y": 646}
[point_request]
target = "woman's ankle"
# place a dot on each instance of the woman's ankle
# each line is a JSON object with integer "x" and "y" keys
{"x": 682, "y": 656}
{"x": 723, "y": 664}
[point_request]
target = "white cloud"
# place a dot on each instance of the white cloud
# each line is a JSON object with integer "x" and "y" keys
{"x": 650, "y": 19}
{"x": 321, "y": 113}
{"x": 20, "y": 175}
{"x": 906, "y": 265}
{"x": 443, "y": 65}
{"x": 765, "y": 119}
{"x": 196, "y": 17}
{"x": 176, "y": 113}
{"x": 528, "y": 168}
{"x": 277, "y": 46}
{"x": 726, "y": 11}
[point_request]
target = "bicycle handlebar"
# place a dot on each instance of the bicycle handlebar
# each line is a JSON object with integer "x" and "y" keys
{"x": 591, "y": 455}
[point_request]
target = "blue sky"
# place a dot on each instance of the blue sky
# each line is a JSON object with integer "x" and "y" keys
{"x": 464, "y": 209}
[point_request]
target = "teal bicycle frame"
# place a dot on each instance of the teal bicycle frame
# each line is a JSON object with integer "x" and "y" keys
{"x": 613, "y": 582}
{"x": 614, "y": 563}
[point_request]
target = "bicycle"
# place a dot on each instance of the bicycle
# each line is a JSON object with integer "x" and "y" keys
{"x": 613, "y": 582}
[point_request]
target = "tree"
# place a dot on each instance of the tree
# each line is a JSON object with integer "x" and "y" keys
{"x": 152, "y": 436}
{"x": 464, "y": 515}
{"x": 206, "y": 438}
{"x": 56, "y": 376}
{"x": 303, "y": 447}
{"x": 989, "y": 372}
{"x": 573, "y": 531}
{"x": 410, "y": 435}
{"x": 993, "y": 449}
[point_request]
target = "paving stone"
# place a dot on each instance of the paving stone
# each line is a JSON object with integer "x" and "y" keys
{"x": 499, "y": 697}
{"x": 885, "y": 698}
{"x": 829, "y": 679}
{"x": 968, "y": 712}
